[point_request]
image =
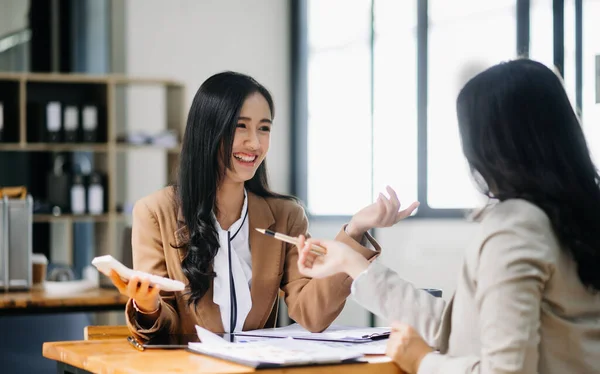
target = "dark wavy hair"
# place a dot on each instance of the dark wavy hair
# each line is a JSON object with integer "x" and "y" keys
{"x": 521, "y": 135}
{"x": 206, "y": 151}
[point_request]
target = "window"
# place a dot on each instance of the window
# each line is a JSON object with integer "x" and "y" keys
{"x": 591, "y": 76}
{"x": 339, "y": 107}
{"x": 569, "y": 49}
{"x": 541, "y": 42}
{"x": 542, "y": 49}
{"x": 367, "y": 125}
{"x": 395, "y": 99}
{"x": 463, "y": 40}
{"x": 362, "y": 132}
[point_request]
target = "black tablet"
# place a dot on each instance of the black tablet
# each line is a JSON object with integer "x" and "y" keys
{"x": 174, "y": 341}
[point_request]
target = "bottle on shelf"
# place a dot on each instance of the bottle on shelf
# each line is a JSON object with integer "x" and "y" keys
{"x": 78, "y": 200}
{"x": 89, "y": 123}
{"x": 58, "y": 191}
{"x": 53, "y": 121}
{"x": 71, "y": 123}
{"x": 82, "y": 168}
{"x": 95, "y": 194}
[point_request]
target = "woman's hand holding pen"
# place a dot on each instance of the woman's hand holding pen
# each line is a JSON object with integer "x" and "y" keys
{"x": 382, "y": 213}
{"x": 147, "y": 299}
{"x": 340, "y": 258}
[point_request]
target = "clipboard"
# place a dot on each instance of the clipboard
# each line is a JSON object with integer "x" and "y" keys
{"x": 326, "y": 337}
{"x": 348, "y": 339}
{"x": 334, "y": 333}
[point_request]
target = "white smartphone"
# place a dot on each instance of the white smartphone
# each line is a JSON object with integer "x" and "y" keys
{"x": 106, "y": 263}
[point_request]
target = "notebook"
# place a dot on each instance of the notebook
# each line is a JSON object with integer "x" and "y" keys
{"x": 334, "y": 333}
{"x": 271, "y": 353}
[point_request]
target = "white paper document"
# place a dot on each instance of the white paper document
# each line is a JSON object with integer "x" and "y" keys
{"x": 271, "y": 353}
{"x": 376, "y": 347}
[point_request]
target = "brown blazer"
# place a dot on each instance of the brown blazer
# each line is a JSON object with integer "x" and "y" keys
{"x": 313, "y": 303}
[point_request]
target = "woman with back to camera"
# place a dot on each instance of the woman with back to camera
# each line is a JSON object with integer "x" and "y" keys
{"x": 527, "y": 297}
{"x": 201, "y": 231}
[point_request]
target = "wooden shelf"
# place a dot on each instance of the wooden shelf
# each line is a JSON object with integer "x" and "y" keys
{"x": 121, "y": 79}
{"x": 123, "y": 147}
{"x": 82, "y": 147}
{"x": 42, "y": 300}
{"x": 78, "y": 217}
{"x": 54, "y": 147}
{"x": 54, "y": 77}
{"x": 25, "y": 97}
{"x": 10, "y": 147}
{"x": 87, "y": 78}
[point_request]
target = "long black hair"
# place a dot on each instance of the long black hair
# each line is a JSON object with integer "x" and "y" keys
{"x": 206, "y": 151}
{"x": 521, "y": 135}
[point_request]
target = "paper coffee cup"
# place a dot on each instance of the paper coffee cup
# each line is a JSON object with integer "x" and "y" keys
{"x": 39, "y": 264}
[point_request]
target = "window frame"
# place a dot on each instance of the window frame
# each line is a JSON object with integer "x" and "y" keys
{"x": 299, "y": 92}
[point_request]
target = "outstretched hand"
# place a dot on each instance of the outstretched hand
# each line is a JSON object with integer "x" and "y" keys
{"x": 383, "y": 212}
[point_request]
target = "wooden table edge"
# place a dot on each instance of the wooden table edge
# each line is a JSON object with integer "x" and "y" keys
{"x": 58, "y": 352}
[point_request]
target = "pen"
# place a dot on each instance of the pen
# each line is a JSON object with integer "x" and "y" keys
{"x": 316, "y": 249}
{"x": 135, "y": 343}
{"x": 377, "y": 336}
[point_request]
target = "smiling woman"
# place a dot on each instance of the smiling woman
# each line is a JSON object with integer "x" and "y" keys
{"x": 201, "y": 230}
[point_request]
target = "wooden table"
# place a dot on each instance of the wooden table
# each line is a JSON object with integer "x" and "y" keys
{"x": 38, "y": 301}
{"x": 116, "y": 356}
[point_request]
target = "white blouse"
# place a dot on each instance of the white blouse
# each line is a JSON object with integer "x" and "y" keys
{"x": 234, "y": 262}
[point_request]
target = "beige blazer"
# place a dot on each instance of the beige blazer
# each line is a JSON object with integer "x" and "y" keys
{"x": 158, "y": 226}
{"x": 519, "y": 306}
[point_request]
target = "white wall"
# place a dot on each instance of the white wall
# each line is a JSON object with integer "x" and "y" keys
{"x": 191, "y": 39}
{"x": 426, "y": 252}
